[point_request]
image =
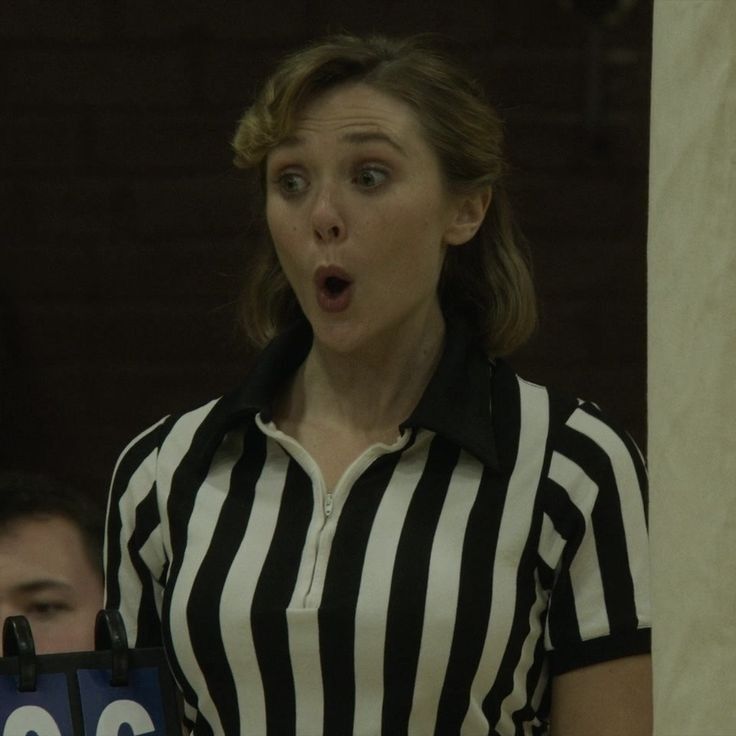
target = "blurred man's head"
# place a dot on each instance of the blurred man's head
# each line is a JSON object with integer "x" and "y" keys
{"x": 50, "y": 561}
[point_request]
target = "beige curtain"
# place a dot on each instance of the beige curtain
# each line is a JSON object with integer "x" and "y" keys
{"x": 692, "y": 366}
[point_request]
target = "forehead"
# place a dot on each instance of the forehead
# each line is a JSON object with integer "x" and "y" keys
{"x": 354, "y": 107}
{"x": 50, "y": 544}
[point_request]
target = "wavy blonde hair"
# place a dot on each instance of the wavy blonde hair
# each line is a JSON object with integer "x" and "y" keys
{"x": 488, "y": 280}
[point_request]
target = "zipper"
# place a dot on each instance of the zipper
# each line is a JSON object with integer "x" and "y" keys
{"x": 311, "y": 588}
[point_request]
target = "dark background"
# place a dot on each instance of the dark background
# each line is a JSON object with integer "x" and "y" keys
{"x": 123, "y": 225}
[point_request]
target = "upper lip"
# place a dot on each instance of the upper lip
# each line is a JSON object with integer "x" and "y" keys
{"x": 326, "y": 272}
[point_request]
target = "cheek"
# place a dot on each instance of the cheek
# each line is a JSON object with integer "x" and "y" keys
{"x": 276, "y": 221}
{"x": 272, "y": 225}
{"x": 288, "y": 253}
{"x": 418, "y": 244}
{"x": 284, "y": 233}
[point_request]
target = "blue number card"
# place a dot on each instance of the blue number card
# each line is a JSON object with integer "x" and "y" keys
{"x": 45, "y": 711}
{"x": 105, "y": 708}
{"x": 112, "y": 691}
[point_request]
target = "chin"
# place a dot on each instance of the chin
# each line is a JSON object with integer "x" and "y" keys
{"x": 340, "y": 334}
{"x": 341, "y": 339}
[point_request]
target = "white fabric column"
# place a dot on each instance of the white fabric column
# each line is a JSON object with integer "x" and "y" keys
{"x": 692, "y": 366}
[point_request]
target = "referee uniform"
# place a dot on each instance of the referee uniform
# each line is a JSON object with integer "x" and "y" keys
{"x": 436, "y": 589}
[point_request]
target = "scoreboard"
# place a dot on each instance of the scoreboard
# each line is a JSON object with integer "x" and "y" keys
{"x": 113, "y": 691}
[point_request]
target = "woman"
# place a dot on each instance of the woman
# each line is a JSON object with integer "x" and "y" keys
{"x": 385, "y": 530}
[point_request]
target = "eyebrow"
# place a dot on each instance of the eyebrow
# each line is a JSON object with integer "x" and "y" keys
{"x": 371, "y": 137}
{"x": 39, "y": 586}
{"x": 357, "y": 137}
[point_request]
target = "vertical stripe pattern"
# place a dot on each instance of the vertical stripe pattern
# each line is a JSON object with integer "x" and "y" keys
{"x": 437, "y": 594}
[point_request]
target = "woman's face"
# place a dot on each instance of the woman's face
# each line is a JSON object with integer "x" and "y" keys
{"x": 359, "y": 217}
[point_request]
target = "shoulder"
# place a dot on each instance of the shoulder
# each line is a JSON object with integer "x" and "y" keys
{"x": 574, "y": 430}
{"x": 172, "y": 428}
{"x": 193, "y": 436}
{"x": 591, "y": 445}
{"x": 164, "y": 445}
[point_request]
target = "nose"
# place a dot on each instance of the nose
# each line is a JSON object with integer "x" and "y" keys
{"x": 327, "y": 222}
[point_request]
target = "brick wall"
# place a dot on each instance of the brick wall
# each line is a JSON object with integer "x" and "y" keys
{"x": 122, "y": 221}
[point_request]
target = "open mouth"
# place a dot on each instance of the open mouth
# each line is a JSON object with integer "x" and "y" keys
{"x": 335, "y": 285}
{"x": 334, "y": 292}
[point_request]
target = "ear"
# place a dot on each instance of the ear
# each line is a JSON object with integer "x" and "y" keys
{"x": 469, "y": 213}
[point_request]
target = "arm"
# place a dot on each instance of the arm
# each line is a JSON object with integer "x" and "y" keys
{"x": 134, "y": 557}
{"x": 607, "y": 699}
{"x": 599, "y": 607}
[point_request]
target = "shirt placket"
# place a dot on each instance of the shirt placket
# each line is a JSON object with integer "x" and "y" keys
{"x": 328, "y": 505}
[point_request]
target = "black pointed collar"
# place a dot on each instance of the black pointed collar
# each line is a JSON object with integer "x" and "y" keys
{"x": 456, "y": 403}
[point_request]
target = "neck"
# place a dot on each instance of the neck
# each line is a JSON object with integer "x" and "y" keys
{"x": 368, "y": 391}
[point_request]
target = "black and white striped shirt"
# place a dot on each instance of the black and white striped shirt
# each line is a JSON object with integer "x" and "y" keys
{"x": 435, "y": 590}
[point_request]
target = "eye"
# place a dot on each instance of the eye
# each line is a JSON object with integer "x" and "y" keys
{"x": 370, "y": 177}
{"x": 291, "y": 183}
{"x": 45, "y": 610}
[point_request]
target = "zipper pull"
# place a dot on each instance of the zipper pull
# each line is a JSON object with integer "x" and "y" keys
{"x": 328, "y": 504}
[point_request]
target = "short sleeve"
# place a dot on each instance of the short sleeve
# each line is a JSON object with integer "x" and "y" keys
{"x": 594, "y": 544}
{"x": 135, "y": 560}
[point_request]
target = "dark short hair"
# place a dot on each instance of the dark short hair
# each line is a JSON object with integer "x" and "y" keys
{"x": 26, "y": 496}
{"x": 488, "y": 280}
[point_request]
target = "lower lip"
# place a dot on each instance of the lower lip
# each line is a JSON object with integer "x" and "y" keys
{"x": 335, "y": 302}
